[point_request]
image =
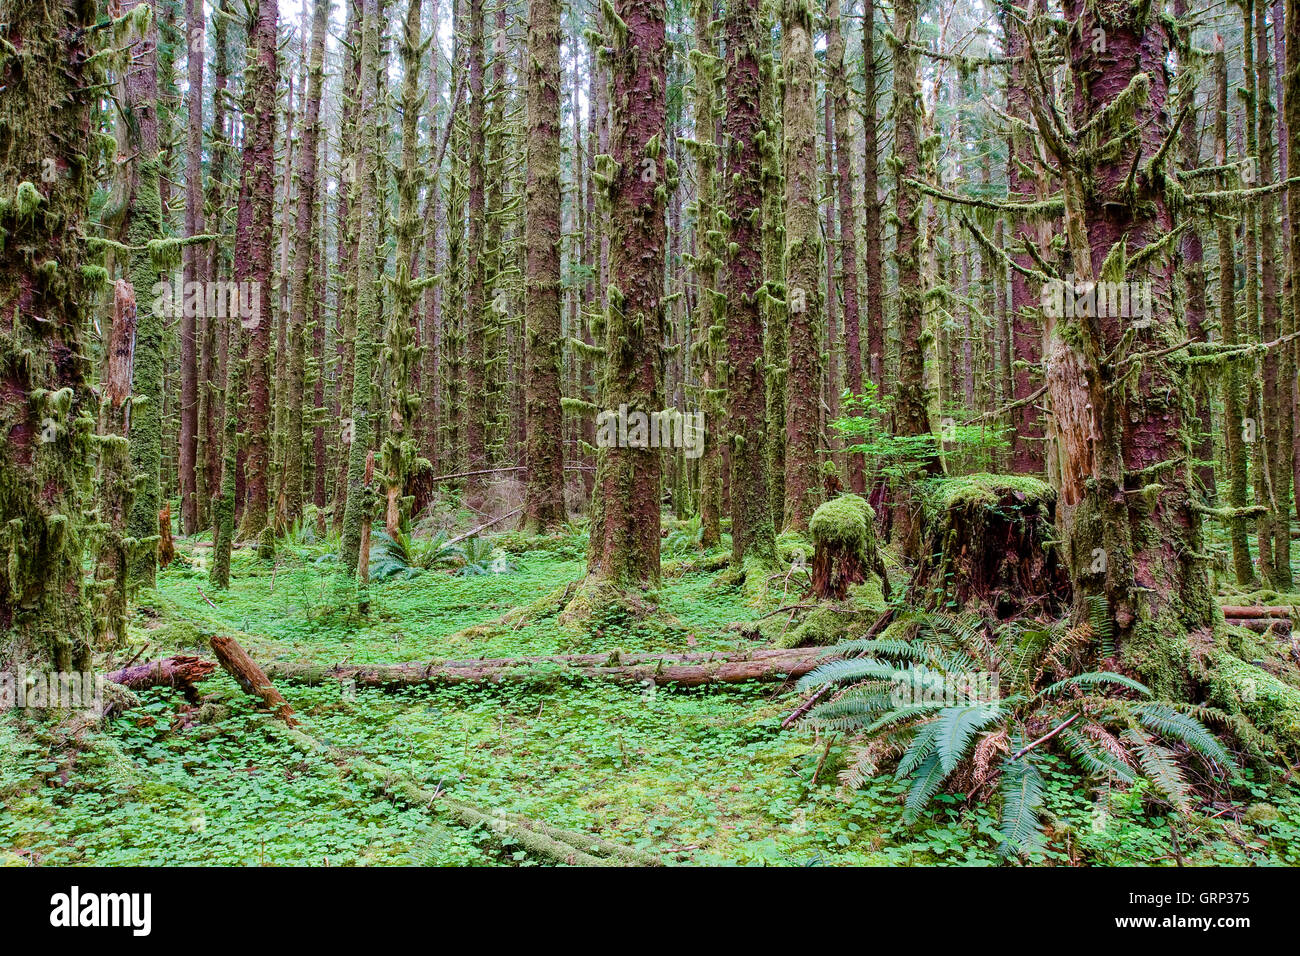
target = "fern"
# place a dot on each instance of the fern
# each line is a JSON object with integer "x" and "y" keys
{"x": 1172, "y": 725}
{"x": 1101, "y": 622}
{"x": 957, "y": 729}
{"x": 928, "y": 779}
{"x": 1022, "y": 801}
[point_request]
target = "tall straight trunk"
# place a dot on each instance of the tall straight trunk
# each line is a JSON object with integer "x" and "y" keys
{"x": 752, "y": 533}
{"x": 431, "y": 306}
{"x": 708, "y": 252}
{"x": 195, "y": 259}
{"x": 302, "y": 278}
{"x": 776, "y": 333}
{"x": 848, "y": 221}
{"x": 254, "y": 247}
{"x": 359, "y": 511}
{"x": 1026, "y": 334}
{"x": 803, "y": 264}
{"x": 1192, "y": 254}
{"x": 46, "y": 95}
{"x": 1234, "y": 446}
{"x": 544, "y": 493}
{"x": 831, "y": 386}
{"x": 141, "y": 222}
{"x": 1256, "y": 413}
{"x": 875, "y": 264}
{"x": 1138, "y": 555}
{"x": 1275, "y": 321}
{"x": 911, "y": 398}
{"x": 115, "y": 491}
{"x": 215, "y": 328}
{"x": 475, "y": 299}
{"x": 624, "y": 548}
{"x": 346, "y": 308}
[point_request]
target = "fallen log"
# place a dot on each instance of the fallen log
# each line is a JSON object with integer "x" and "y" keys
{"x": 510, "y": 829}
{"x": 182, "y": 671}
{"x": 1262, "y": 625}
{"x": 1232, "y": 610}
{"x": 236, "y": 662}
{"x": 688, "y": 670}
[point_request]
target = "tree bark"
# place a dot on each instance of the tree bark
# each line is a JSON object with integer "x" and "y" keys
{"x": 544, "y": 491}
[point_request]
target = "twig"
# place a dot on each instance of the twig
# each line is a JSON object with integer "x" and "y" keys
{"x": 486, "y": 524}
{"x": 1047, "y": 736}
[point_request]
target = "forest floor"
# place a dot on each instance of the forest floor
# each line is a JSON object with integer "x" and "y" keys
{"x": 703, "y": 775}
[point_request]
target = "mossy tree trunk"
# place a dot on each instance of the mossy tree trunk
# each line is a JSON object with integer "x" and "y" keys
{"x": 708, "y": 256}
{"x": 1275, "y": 321}
{"x": 302, "y": 279}
{"x": 136, "y": 209}
{"x": 544, "y": 493}
{"x": 1126, "y": 507}
{"x": 624, "y": 548}
{"x": 844, "y": 151}
{"x": 911, "y": 397}
{"x": 46, "y": 95}
{"x": 254, "y": 247}
{"x": 1026, "y": 332}
{"x": 875, "y": 264}
{"x": 359, "y": 510}
{"x": 803, "y": 263}
{"x": 115, "y": 489}
{"x": 476, "y": 304}
{"x": 195, "y": 261}
{"x": 752, "y": 533}
{"x": 1234, "y": 446}
{"x": 401, "y": 347}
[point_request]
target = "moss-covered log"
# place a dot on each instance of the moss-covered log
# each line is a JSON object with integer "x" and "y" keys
{"x": 684, "y": 670}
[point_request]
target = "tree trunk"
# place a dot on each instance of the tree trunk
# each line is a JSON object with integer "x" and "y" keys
{"x": 803, "y": 264}
{"x": 848, "y": 223}
{"x": 1139, "y": 551}
{"x": 544, "y": 493}
{"x": 254, "y": 245}
{"x": 624, "y": 548}
{"x": 752, "y": 534}
{"x": 46, "y": 95}
{"x": 195, "y": 259}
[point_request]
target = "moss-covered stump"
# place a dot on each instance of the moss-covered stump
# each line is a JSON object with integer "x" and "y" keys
{"x": 845, "y": 551}
{"x": 989, "y": 546}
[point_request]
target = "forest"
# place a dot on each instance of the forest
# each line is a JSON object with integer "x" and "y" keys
{"x": 649, "y": 433}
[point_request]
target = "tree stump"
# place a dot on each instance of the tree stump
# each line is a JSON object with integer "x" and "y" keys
{"x": 844, "y": 547}
{"x": 166, "y": 547}
{"x": 988, "y": 546}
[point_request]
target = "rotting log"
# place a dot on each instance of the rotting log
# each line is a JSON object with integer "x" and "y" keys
{"x": 236, "y": 662}
{"x": 509, "y": 829}
{"x": 1232, "y": 610}
{"x": 182, "y": 672}
{"x": 686, "y": 670}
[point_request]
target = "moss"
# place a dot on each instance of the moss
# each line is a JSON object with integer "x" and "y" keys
{"x": 984, "y": 490}
{"x": 1242, "y": 688}
{"x": 844, "y": 522}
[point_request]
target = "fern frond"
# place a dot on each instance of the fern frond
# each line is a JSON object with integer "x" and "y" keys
{"x": 1170, "y": 724}
{"x": 925, "y": 784}
{"x": 1160, "y": 766}
{"x": 958, "y": 727}
{"x": 1094, "y": 679}
{"x": 1022, "y": 801}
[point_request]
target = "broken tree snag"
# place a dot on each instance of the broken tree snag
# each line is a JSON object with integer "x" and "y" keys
{"x": 684, "y": 670}
{"x": 845, "y": 551}
{"x": 166, "y": 547}
{"x": 989, "y": 546}
{"x": 236, "y": 662}
{"x": 182, "y": 672}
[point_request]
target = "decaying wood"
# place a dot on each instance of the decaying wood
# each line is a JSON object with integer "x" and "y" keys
{"x": 182, "y": 672}
{"x": 236, "y": 662}
{"x": 509, "y": 829}
{"x": 688, "y": 670}
{"x": 166, "y": 547}
{"x": 1231, "y": 611}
